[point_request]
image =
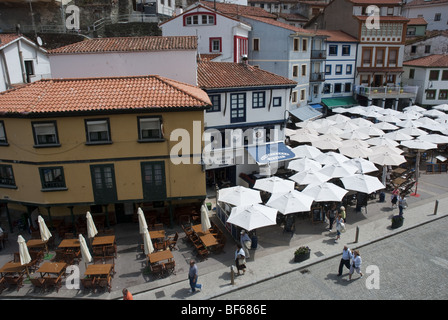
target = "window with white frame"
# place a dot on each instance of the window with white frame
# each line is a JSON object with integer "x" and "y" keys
{"x": 97, "y": 131}
{"x": 3, "y": 140}
{"x": 45, "y": 133}
{"x": 150, "y": 128}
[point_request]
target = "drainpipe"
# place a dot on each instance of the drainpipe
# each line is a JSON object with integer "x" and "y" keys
{"x": 22, "y": 63}
{"x": 5, "y": 69}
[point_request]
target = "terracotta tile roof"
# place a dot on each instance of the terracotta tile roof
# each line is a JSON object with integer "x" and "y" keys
{"x": 417, "y": 22}
{"x": 131, "y": 44}
{"x": 337, "y": 36}
{"x": 386, "y": 18}
{"x": 6, "y": 38}
{"x": 380, "y": 69}
{"x": 397, "y": 2}
{"x": 101, "y": 94}
{"x": 213, "y": 75}
{"x": 208, "y": 56}
{"x": 293, "y": 16}
{"x": 238, "y": 10}
{"x": 432, "y": 61}
{"x": 281, "y": 25}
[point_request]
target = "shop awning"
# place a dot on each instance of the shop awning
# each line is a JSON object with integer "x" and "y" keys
{"x": 305, "y": 113}
{"x": 270, "y": 153}
{"x": 343, "y": 102}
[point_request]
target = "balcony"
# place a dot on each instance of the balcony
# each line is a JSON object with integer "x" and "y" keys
{"x": 317, "y": 77}
{"x": 318, "y": 54}
{"x": 406, "y": 92}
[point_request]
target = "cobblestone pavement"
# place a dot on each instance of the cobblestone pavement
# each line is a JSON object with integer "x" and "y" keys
{"x": 411, "y": 265}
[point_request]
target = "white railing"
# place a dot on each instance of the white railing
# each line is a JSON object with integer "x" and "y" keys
{"x": 387, "y": 91}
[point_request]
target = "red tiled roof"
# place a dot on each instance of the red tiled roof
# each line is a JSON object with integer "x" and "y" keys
{"x": 101, "y": 94}
{"x": 123, "y": 44}
{"x": 386, "y": 18}
{"x": 233, "y": 75}
{"x": 380, "y": 69}
{"x": 238, "y": 10}
{"x": 293, "y": 16}
{"x": 432, "y": 61}
{"x": 397, "y": 2}
{"x": 281, "y": 25}
{"x": 6, "y": 38}
{"x": 337, "y": 36}
{"x": 417, "y": 22}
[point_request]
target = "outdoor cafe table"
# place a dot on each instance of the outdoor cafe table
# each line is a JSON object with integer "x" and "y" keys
{"x": 36, "y": 243}
{"x": 98, "y": 269}
{"x": 52, "y": 268}
{"x": 12, "y": 267}
{"x": 206, "y": 237}
{"x": 160, "y": 256}
{"x": 157, "y": 234}
{"x": 69, "y": 243}
{"x": 103, "y": 241}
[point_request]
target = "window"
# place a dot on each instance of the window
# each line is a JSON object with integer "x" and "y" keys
{"x": 328, "y": 69}
{"x": 52, "y": 178}
{"x": 97, "y": 131}
{"x": 411, "y": 73}
{"x": 390, "y": 78}
{"x": 304, "y": 45}
{"x": 6, "y": 176}
{"x": 437, "y": 17}
{"x": 380, "y": 56}
{"x": 332, "y": 50}
{"x": 302, "y": 95}
{"x": 296, "y": 44}
{"x": 410, "y": 31}
{"x": 444, "y": 76}
{"x": 295, "y": 71}
{"x": 338, "y": 69}
{"x": 413, "y": 49}
{"x": 277, "y": 102}
{"x": 430, "y": 94}
{"x": 337, "y": 88}
{"x": 258, "y": 99}
{"x": 215, "y": 45}
{"x": 345, "y": 50}
{"x": 427, "y": 49}
{"x": 443, "y": 95}
{"x": 45, "y": 134}
{"x": 327, "y": 88}
{"x": 256, "y": 44}
{"x": 303, "y": 70}
{"x": 348, "y": 69}
{"x": 367, "y": 56}
{"x": 434, "y": 75}
{"x": 238, "y": 107}
{"x": 393, "y": 55}
{"x": 3, "y": 140}
{"x": 365, "y": 79}
{"x": 150, "y": 129}
{"x": 29, "y": 70}
{"x": 390, "y": 11}
{"x": 199, "y": 19}
{"x": 348, "y": 87}
{"x": 216, "y": 103}
{"x": 294, "y": 97}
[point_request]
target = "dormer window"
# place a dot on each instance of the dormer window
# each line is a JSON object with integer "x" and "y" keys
{"x": 199, "y": 19}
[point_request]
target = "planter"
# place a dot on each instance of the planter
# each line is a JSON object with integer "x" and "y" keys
{"x": 302, "y": 257}
{"x": 397, "y": 222}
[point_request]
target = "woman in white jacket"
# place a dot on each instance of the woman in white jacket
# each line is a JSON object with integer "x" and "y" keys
{"x": 355, "y": 265}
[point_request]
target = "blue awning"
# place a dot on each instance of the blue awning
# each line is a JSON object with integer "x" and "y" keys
{"x": 267, "y": 153}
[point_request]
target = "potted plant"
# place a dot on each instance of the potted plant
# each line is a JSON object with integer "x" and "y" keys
{"x": 397, "y": 221}
{"x": 302, "y": 254}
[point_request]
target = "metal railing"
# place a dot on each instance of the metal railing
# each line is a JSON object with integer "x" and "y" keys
{"x": 318, "y": 54}
{"x": 317, "y": 76}
{"x": 387, "y": 91}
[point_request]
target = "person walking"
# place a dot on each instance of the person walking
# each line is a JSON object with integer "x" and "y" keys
{"x": 356, "y": 265}
{"x": 240, "y": 259}
{"x": 401, "y": 202}
{"x": 331, "y": 216}
{"x": 127, "y": 294}
{"x": 339, "y": 226}
{"x": 345, "y": 260}
{"x": 193, "y": 277}
{"x": 394, "y": 198}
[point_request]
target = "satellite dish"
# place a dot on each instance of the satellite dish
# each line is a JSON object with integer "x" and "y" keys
{"x": 39, "y": 41}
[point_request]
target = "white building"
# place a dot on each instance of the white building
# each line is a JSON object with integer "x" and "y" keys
{"x": 435, "y": 12}
{"x": 171, "y": 57}
{"x": 21, "y": 61}
{"x": 217, "y": 33}
{"x": 430, "y": 74}
{"x": 434, "y": 42}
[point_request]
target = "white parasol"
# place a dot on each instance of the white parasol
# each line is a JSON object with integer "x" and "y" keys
{"x": 85, "y": 253}
{"x": 355, "y": 151}
{"x": 398, "y": 136}
{"x": 362, "y": 183}
{"x": 253, "y": 216}
{"x": 239, "y": 196}
{"x": 309, "y": 176}
{"x": 205, "y": 220}
{"x": 274, "y": 184}
{"x": 338, "y": 170}
{"x": 363, "y": 165}
{"x": 290, "y": 202}
{"x": 330, "y": 158}
{"x": 142, "y": 225}
{"x": 91, "y": 228}
{"x": 147, "y": 243}
{"x": 304, "y": 164}
{"x": 306, "y": 151}
{"x": 325, "y": 192}
{"x": 45, "y": 234}
{"x": 381, "y": 141}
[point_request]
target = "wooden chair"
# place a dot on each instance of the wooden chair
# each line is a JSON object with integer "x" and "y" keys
{"x": 59, "y": 255}
{"x": 104, "y": 283}
{"x": 98, "y": 260}
{"x": 202, "y": 252}
{"x": 14, "y": 281}
{"x": 38, "y": 283}
{"x": 69, "y": 235}
{"x": 169, "y": 267}
{"x": 88, "y": 284}
{"x": 157, "y": 226}
{"x": 69, "y": 258}
{"x": 53, "y": 282}
{"x": 98, "y": 251}
{"x": 35, "y": 235}
{"x": 110, "y": 251}
{"x": 160, "y": 246}
{"x": 156, "y": 270}
{"x": 16, "y": 257}
{"x": 3, "y": 284}
{"x": 110, "y": 260}
{"x": 171, "y": 241}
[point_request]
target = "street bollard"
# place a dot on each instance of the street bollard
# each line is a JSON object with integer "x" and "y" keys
{"x": 357, "y": 234}
{"x": 436, "y": 207}
{"x": 232, "y": 276}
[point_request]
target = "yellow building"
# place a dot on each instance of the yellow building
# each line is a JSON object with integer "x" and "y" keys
{"x": 99, "y": 144}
